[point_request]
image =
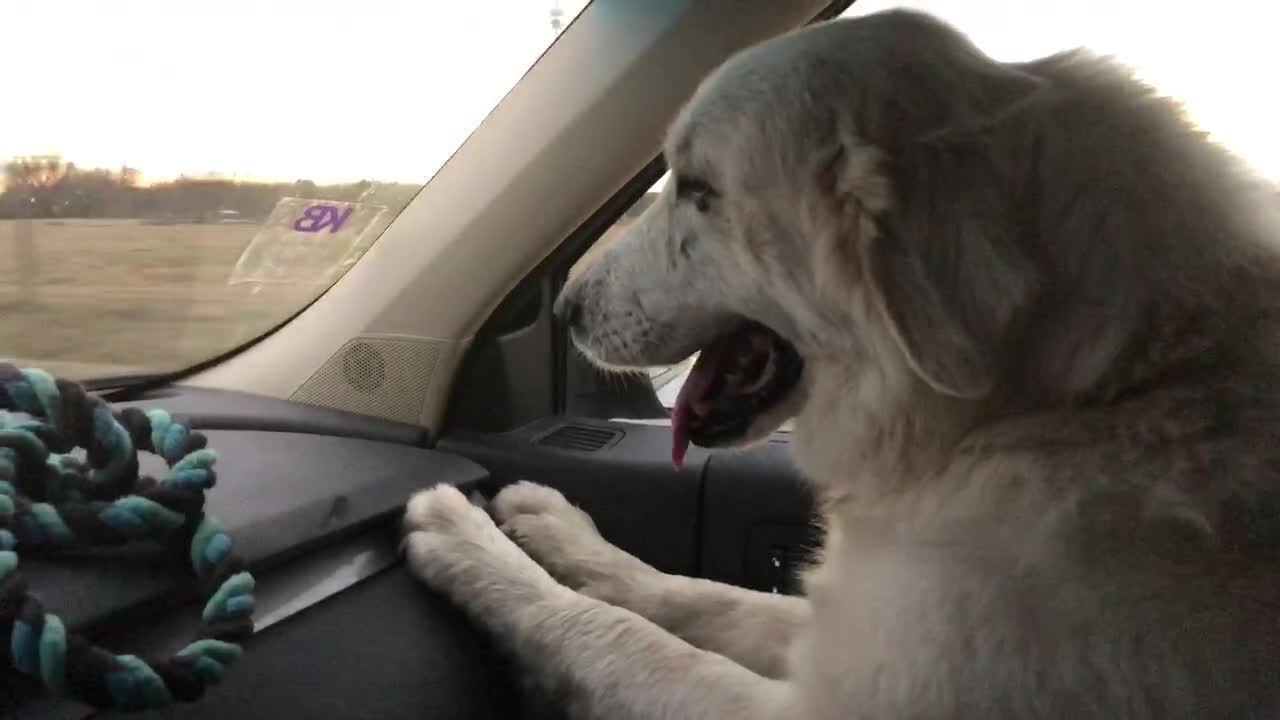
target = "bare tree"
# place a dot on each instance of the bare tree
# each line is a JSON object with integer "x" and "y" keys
{"x": 32, "y": 180}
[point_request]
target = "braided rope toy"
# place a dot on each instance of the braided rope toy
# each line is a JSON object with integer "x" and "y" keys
{"x": 51, "y": 501}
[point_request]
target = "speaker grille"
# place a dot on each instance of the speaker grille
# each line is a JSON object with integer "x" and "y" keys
{"x": 581, "y": 438}
{"x": 386, "y": 377}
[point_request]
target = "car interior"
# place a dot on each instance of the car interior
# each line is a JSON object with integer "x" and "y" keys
{"x": 435, "y": 358}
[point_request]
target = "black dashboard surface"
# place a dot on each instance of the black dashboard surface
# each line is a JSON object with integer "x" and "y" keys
{"x": 386, "y": 649}
{"x": 229, "y": 410}
{"x": 293, "y": 481}
{"x": 278, "y": 494}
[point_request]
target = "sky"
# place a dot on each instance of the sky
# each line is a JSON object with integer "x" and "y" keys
{"x": 387, "y": 89}
{"x": 262, "y": 89}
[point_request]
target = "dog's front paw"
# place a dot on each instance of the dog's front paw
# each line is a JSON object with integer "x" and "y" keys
{"x": 565, "y": 541}
{"x": 455, "y": 548}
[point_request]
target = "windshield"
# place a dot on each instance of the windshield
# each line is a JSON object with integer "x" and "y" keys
{"x": 179, "y": 178}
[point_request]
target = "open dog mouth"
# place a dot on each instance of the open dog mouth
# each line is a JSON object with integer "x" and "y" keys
{"x": 737, "y": 378}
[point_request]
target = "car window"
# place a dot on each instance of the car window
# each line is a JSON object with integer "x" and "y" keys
{"x": 179, "y": 178}
{"x": 1234, "y": 114}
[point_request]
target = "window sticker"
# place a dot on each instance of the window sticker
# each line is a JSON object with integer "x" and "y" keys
{"x": 307, "y": 241}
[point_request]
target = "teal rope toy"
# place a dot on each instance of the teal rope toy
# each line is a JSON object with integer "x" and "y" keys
{"x": 51, "y": 501}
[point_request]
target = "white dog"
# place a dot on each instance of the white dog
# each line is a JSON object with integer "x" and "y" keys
{"x": 1026, "y": 321}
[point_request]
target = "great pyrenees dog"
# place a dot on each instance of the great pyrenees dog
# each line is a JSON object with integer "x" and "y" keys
{"x": 1025, "y": 319}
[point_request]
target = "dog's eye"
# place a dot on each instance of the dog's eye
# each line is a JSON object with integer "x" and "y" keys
{"x": 697, "y": 191}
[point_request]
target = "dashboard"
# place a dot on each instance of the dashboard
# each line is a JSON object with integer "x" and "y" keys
{"x": 312, "y": 498}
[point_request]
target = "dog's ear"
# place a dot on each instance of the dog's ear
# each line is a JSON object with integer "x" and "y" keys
{"x": 938, "y": 245}
{"x": 949, "y": 284}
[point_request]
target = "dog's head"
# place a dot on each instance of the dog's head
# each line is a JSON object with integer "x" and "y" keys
{"x": 848, "y": 236}
{"x": 810, "y": 236}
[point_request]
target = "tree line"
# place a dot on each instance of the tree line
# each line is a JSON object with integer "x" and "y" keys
{"x": 48, "y": 187}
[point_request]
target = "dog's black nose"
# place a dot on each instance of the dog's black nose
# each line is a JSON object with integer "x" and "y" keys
{"x": 568, "y": 310}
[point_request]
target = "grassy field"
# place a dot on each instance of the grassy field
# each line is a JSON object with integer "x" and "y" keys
{"x": 94, "y": 298}
{"x": 88, "y": 298}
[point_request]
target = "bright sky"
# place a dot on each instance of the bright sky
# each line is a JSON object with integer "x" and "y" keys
{"x": 387, "y": 89}
{"x": 276, "y": 89}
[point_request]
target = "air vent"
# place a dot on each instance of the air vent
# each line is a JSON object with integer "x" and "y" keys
{"x": 580, "y": 438}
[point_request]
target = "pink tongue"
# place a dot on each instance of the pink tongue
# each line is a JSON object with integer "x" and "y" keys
{"x": 695, "y": 386}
